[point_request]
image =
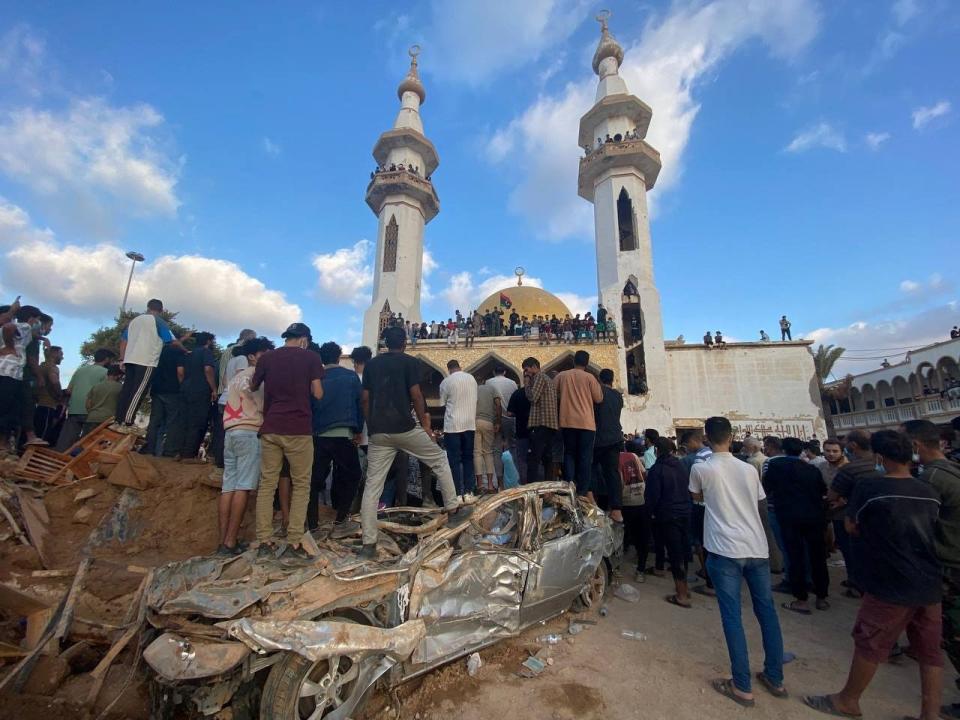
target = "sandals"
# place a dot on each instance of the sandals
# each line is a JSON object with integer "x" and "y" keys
{"x": 823, "y": 604}
{"x": 793, "y": 607}
{"x": 725, "y": 688}
{"x": 777, "y": 691}
{"x": 674, "y": 600}
{"x": 824, "y": 704}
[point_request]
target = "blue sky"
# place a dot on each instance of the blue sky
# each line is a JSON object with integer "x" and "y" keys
{"x": 810, "y": 159}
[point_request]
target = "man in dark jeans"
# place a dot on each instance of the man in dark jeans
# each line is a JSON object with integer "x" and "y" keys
{"x": 337, "y": 425}
{"x": 519, "y": 408}
{"x": 166, "y": 413}
{"x": 798, "y": 489}
{"x": 542, "y": 423}
{"x": 198, "y": 393}
{"x": 608, "y": 442}
{"x": 668, "y": 506}
{"x": 577, "y": 393}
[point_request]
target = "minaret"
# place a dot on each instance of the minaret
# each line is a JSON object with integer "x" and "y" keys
{"x": 618, "y": 169}
{"x": 402, "y": 197}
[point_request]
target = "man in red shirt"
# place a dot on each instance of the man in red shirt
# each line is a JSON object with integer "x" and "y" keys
{"x": 289, "y": 375}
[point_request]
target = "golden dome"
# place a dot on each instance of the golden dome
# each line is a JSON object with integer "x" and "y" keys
{"x": 527, "y": 301}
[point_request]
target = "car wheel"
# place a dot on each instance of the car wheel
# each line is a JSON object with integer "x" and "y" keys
{"x": 592, "y": 595}
{"x": 302, "y": 689}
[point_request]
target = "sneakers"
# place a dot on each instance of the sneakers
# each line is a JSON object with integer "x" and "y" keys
{"x": 36, "y": 442}
{"x": 295, "y": 553}
{"x": 468, "y": 499}
{"x": 227, "y": 551}
{"x": 368, "y": 552}
{"x": 344, "y": 528}
{"x": 640, "y": 577}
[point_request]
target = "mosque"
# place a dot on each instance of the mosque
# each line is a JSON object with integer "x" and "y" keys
{"x": 764, "y": 388}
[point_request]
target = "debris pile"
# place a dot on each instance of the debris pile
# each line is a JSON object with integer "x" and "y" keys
{"x": 80, "y": 534}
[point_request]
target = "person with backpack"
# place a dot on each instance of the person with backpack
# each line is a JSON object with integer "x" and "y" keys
{"x": 636, "y": 519}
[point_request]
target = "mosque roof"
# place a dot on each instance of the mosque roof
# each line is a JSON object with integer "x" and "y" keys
{"x": 527, "y": 301}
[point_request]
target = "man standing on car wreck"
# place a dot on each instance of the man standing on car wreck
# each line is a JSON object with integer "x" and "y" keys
{"x": 391, "y": 385}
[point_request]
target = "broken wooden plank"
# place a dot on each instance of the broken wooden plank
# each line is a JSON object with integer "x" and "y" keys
{"x": 11, "y": 651}
{"x": 19, "y": 602}
{"x": 66, "y": 615}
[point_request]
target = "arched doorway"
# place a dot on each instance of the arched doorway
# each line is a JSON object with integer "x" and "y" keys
{"x": 633, "y": 338}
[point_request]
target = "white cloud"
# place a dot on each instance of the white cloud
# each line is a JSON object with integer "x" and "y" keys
{"x": 875, "y": 139}
{"x": 909, "y": 286}
{"x": 821, "y": 135}
{"x": 904, "y": 11}
{"x": 88, "y": 281}
{"x": 581, "y": 304}
{"x": 271, "y": 148}
{"x": 345, "y": 275}
{"x": 662, "y": 68}
{"x": 102, "y": 158}
{"x": 473, "y": 41}
{"x": 22, "y": 58}
{"x": 923, "y": 115}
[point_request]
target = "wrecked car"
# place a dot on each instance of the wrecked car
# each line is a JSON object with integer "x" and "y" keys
{"x": 291, "y": 639}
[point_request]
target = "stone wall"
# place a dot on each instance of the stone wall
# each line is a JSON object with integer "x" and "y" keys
{"x": 766, "y": 388}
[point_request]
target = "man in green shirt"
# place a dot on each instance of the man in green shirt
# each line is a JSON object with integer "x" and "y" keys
{"x": 83, "y": 380}
{"x": 102, "y": 399}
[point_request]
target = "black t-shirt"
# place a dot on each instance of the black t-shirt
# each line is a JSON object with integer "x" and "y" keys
{"x": 194, "y": 379}
{"x": 896, "y": 556}
{"x": 796, "y": 489}
{"x": 165, "y": 380}
{"x": 388, "y": 378}
{"x": 850, "y": 474}
{"x": 519, "y": 406}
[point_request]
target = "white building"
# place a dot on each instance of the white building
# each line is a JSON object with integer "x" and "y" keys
{"x": 762, "y": 387}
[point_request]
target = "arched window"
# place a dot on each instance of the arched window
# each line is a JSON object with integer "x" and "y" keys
{"x": 390, "y": 245}
{"x": 625, "y": 223}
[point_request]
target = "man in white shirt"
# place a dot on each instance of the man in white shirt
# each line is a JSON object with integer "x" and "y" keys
{"x": 140, "y": 344}
{"x": 737, "y": 550}
{"x": 458, "y": 393}
{"x": 505, "y": 388}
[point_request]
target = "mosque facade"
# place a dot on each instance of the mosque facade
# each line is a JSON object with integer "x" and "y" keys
{"x": 764, "y": 387}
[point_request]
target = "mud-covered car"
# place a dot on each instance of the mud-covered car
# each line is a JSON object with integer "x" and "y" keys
{"x": 290, "y": 639}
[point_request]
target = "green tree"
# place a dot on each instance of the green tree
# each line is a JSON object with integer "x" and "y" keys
{"x": 824, "y": 359}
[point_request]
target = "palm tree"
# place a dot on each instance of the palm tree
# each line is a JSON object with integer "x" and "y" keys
{"x": 824, "y": 359}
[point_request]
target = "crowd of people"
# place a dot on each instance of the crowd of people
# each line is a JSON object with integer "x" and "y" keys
{"x": 497, "y": 323}
{"x": 281, "y": 421}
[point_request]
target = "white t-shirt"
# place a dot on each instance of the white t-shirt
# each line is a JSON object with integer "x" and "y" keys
{"x": 145, "y": 336}
{"x": 235, "y": 364}
{"x": 504, "y": 386}
{"x": 458, "y": 392}
{"x": 731, "y": 490}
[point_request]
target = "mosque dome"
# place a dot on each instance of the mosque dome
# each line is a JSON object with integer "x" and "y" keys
{"x": 527, "y": 301}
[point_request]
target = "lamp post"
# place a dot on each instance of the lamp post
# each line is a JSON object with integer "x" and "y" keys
{"x": 135, "y": 257}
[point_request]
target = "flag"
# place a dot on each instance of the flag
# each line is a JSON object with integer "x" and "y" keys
{"x": 505, "y": 301}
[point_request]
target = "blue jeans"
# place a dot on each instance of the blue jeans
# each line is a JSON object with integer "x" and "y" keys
{"x": 778, "y": 536}
{"x": 460, "y": 456}
{"x": 728, "y": 575}
{"x": 578, "y": 457}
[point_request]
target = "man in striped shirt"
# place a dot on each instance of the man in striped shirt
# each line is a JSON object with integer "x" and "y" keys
{"x": 543, "y": 423}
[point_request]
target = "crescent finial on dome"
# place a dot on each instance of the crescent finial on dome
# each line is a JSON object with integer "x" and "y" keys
{"x": 608, "y": 47}
{"x": 411, "y": 83}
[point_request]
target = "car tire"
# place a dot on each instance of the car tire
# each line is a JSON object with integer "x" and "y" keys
{"x": 282, "y": 698}
{"x": 593, "y": 594}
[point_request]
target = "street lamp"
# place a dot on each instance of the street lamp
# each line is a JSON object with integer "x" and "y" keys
{"x": 135, "y": 257}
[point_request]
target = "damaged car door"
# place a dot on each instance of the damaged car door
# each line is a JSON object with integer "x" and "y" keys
{"x": 475, "y": 598}
{"x": 569, "y": 552}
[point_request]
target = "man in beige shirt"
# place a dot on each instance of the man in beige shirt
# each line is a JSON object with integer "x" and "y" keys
{"x": 577, "y": 392}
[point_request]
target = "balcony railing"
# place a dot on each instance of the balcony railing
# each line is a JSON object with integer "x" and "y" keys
{"x": 924, "y": 409}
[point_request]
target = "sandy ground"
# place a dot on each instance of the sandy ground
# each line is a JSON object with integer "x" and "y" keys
{"x": 602, "y": 675}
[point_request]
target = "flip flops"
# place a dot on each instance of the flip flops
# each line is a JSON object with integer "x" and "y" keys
{"x": 776, "y": 691}
{"x": 674, "y": 600}
{"x": 725, "y": 688}
{"x": 824, "y": 704}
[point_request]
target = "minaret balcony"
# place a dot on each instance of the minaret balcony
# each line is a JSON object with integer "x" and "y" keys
{"x": 403, "y": 182}
{"x": 406, "y": 138}
{"x": 612, "y": 106}
{"x": 626, "y": 153}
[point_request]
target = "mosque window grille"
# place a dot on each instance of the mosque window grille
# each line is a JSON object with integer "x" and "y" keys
{"x": 390, "y": 238}
{"x": 626, "y": 222}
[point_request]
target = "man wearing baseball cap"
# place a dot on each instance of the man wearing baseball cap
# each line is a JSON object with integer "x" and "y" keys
{"x": 290, "y": 375}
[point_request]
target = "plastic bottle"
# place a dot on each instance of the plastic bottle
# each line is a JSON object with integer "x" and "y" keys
{"x": 551, "y": 639}
{"x": 474, "y": 663}
{"x": 632, "y": 635}
{"x": 604, "y": 611}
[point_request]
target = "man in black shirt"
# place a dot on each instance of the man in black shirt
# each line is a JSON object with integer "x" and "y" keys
{"x": 863, "y": 464}
{"x": 893, "y": 521}
{"x": 198, "y": 392}
{"x": 391, "y": 385}
{"x": 609, "y": 443}
{"x": 797, "y": 489}
{"x": 165, "y": 412}
{"x": 519, "y": 407}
